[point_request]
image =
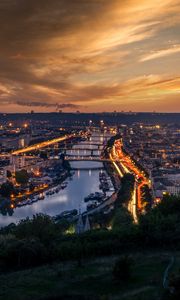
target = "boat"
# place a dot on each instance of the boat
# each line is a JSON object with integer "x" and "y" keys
{"x": 41, "y": 197}
{"x": 28, "y": 201}
{"x": 51, "y": 192}
{"x": 102, "y": 175}
{"x": 68, "y": 213}
{"x": 94, "y": 196}
{"x": 92, "y": 205}
{"x": 34, "y": 200}
{"x": 99, "y": 195}
{"x": 63, "y": 185}
{"x": 19, "y": 204}
{"x": 89, "y": 197}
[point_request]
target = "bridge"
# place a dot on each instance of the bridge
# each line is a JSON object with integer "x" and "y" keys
{"x": 102, "y": 137}
{"x": 92, "y": 144}
{"x": 77, "y": 149}
{"x": 84, "y": 146}
{"x": 87, "y": 158}
{"x": 84, "y": 153}
{"x": 44, "y": 144}
{"x": 87, "y": 169}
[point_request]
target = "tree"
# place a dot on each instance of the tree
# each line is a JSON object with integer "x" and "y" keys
{"x": 5, "y": 208}
{"x": 122, "y": 269}
{"x": 122, "y": 219}
{"x": 9, "y": 174}
{"x": 161, "y": 225}
{"x": 146, "y": 197}
{"x": 6, "y": 189}
{"x": 126, "y": 190}
{"x": 21, "y": 253}
{"x": 173, "y": 292}
{"x": 22, "y": 176}
{"x": 40, "y": 226}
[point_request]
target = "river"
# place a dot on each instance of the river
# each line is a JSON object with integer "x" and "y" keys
{"x": 81, "y": 184}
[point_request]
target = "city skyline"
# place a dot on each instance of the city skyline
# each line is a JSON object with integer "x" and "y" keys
{"x": 89, "y": 56}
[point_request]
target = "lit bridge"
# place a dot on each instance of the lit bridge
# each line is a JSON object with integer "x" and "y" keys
{"x": 78, "y": 149}
{"x": 44, "y": 144}
{"x": 87, "y": 158}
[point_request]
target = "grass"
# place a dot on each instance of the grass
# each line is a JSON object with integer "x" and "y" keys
{"x": 93, "y": 280}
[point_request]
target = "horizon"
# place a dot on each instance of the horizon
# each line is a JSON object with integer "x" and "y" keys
{"x": 91, "y": 112}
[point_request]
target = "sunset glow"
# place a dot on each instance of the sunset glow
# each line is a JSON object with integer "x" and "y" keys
{"x": 90, "y": 56}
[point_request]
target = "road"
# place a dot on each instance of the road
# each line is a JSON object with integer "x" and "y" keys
{"x": 140, "y": 177}
{"x": 116, "y": 166}
{"x": 128, "y": 166}
{"x": 43, "y": 144}
{"x": 132, "y": 206}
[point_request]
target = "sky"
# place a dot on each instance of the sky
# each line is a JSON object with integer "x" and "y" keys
{"x": 89, "y": 55}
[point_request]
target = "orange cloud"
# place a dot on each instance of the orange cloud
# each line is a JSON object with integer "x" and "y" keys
{"x": 88, "y": 53}
{"x": 161, "y": 53}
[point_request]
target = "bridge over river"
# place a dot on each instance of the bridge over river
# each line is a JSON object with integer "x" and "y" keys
{"x": 88, "y": 158}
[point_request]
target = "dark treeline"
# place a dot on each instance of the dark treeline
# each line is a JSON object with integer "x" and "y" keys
{"x": 112, "y": 140}
{"x": 113, "y": 118}
{"x": 110, "y": 144}
{"x": 126, "y": 190}
{"x": 41, "y": 240}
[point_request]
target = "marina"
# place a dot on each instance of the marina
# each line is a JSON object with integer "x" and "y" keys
{"x": 69, "y": 195}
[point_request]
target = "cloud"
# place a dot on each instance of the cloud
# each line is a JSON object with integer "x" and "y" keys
{"x": 48, "y": 105}
{"x": 161, "y": 53}
{"x": 81, "y": 53}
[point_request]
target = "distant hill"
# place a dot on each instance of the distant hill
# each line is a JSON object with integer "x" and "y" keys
{"x": 84, "y": 118}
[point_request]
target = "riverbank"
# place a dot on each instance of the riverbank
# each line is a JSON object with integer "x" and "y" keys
{"x": 37, "y": 193}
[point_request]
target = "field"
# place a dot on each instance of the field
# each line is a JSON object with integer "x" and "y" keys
{"x": 92, "y": 280}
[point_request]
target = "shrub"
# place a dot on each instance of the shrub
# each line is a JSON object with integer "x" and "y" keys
{"x": 122, "y": 269}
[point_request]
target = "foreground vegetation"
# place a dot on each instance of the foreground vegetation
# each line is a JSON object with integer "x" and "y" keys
{"x": 86, "y": 262}
{"x": 93, "y": 280}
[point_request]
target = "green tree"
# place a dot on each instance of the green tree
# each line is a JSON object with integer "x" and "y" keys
{"x": 123, "y": 269}
{"x": 122, "y": 219}
{"x": 6, "y": 189}
{"x": 40, "y": 226}
{"x": 9, "y": 174}
{"x": 22, "y": 176}
{"x": 126, "y": 190}
{"x": 161, "y": 225}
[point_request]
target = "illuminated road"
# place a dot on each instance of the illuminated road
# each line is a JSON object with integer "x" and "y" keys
{"x": 132, "y": 205}
{"x": 43, "y": 144}
{"x": 116, "y": 166}
{"x": 128, "y": 166}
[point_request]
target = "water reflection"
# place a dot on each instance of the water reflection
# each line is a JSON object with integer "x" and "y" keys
{"x": 83, "y": 183}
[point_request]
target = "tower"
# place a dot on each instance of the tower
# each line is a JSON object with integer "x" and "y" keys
{"x": 79, "y": 225}
{"x": 87, "y": 226}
